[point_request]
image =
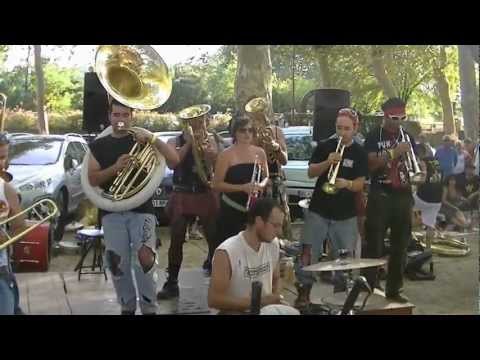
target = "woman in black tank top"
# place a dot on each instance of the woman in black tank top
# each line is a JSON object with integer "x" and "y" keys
{"x": 232, "y": 179}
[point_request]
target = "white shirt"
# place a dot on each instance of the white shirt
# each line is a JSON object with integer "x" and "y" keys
{"x": 460, "y": 167}
{"x": 5, "y": 209}
{"x": 249, "y": 266}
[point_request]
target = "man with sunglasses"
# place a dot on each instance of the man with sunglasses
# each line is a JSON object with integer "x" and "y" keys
{"x": 390, "y": 199}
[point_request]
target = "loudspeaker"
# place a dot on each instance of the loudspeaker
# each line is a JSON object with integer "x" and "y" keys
{"x": 327, "y": 104}
{"x": 95, "y": 105}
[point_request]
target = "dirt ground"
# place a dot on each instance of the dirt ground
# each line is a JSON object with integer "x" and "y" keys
{"x": 454, "y": 291}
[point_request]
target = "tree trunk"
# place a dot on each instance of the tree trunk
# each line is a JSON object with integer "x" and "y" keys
{"x": 325, "y": 76}
{"x": 444, "y": 93}
{"x": 380, "y": 72}
{"x": 254, "y": 75}
{"x": 42, "y": 122}
{"x": 469, "y": 92}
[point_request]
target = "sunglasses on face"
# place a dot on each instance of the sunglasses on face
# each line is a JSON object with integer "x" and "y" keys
{"x": 398, "y": 117}
{"x": 245, "y": 130}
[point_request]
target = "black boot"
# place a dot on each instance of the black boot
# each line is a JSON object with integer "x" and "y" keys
{"x": 169, "y": 290}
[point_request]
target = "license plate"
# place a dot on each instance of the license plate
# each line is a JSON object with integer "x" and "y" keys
{"x": 159, "y": 203}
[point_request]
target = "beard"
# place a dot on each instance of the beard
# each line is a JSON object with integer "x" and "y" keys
{"x": 262, "y": 239}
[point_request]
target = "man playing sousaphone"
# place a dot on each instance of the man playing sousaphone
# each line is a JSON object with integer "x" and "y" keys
{"x": 127, "y": 231}
{"x": 192, "y": 194}
{"x": 270, "y": 137}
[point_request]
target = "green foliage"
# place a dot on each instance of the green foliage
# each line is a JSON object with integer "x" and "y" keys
{"x": 211, "y": 80}
{"x": 63, "y": 88}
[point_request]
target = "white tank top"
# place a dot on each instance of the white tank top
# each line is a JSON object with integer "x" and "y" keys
{"x": 4, "y": 209}
{"x": 249, "y": 266}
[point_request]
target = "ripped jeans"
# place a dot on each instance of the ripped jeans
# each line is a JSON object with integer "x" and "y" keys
{"x": 130, "y": 243}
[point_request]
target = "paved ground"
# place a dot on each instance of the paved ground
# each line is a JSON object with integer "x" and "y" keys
{"x": 455, "y": 290}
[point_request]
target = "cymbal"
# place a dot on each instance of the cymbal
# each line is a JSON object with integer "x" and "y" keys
{"x": 304, "y": 204}
{"x": 345, "y": 264}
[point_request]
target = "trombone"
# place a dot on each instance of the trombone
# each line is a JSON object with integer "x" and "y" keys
{"x": 36, "y": 208}
{"x": 329, "y": 187}
{"x": 414, "y": 171}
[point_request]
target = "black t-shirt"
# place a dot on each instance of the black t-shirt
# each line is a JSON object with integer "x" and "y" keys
{"x": 340, "y": 206}
{"x": 107, "y": 150}
{"x": 431, "y": 190}
{"x": 185, "y": 173}
{"x": 465, "y": 186}
{"x": 378, "y": 141}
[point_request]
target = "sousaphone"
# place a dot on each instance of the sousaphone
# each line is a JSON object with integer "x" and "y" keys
{"x": 136, "y": 76}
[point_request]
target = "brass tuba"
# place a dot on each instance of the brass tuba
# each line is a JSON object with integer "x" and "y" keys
{"x": 445, "y": 245}
{"x": 257, "y": 108}
{"x": 136, "y": 76}
{"x": 194, "y": 123}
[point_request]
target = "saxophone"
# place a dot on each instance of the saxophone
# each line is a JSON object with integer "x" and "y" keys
{"x": 196, "y": 115}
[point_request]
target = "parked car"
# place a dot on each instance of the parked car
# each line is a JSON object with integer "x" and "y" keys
{"x": 300, "y": 145}
{"x": 160, "y": 198}
{"x": 49, "y": 166}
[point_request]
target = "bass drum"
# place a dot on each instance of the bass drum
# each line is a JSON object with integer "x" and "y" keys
{"x": 32, "y": 253}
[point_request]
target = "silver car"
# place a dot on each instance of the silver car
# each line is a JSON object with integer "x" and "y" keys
{"x": 49, "y": 166}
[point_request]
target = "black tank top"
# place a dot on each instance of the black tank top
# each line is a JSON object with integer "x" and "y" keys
{"x": 185, "y": 173}
{"x": 239, "y": 174}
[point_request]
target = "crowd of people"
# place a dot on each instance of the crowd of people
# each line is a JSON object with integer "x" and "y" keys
{"x": 243, "y": 215}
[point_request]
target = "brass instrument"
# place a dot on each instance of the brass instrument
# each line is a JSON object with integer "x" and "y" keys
{"x": 136, "y": 76}
{"x": 3, "y": 106}
{"x": 257, "y": 108}
{"x": 329, "y": 187}
{"x": 37, "y": 209}
{"x": 411, "y": 163}
{"x": 256, "y": 178}
{"x": 445, "y": 245}
{"x": 194, "y": 123}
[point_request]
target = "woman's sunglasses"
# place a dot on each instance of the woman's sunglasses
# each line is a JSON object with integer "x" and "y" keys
{"x": 245, "y": 130}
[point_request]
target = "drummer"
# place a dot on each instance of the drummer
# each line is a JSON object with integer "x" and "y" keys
{"x": 332, "y": 215}
{"x": 252, "y": 255}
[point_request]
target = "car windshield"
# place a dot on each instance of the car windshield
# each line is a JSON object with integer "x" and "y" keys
{"x": 34, "y": 151}
{"x": 299, "y": 146}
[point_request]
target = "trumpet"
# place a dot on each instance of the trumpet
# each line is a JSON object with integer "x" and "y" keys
{"x": 414, "y": 171}
{"x": 329, "y": 187}
{"x": 256, "y": 177}
{"x": 36, "y": 209}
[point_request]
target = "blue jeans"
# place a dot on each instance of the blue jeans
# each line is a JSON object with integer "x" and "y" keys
{"x": 7, "y": 294}
{"x": 343, "y": 234}
{"x": 125, "y": 233}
